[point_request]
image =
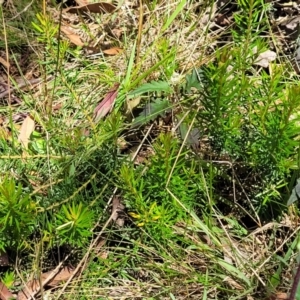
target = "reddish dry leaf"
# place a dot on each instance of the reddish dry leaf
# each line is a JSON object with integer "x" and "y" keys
{"x": 100, "y": 7}
{"x": 26, "y": 130}
{"x": 5, "y": 294}
{"x": 105, "y": 106}
{"x": 31, "y": 287}
{"x": 99, "y": 249}
{"x": 279, "y": 296}
{"x": 63, "y": 275}
{"x": 57, "y": 106}
{"x": 113, "y": 51}
{"x": 34, "y": 285}
{"x": 74, "y": 38}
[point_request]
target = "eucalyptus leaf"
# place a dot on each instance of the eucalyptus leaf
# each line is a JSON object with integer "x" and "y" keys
{"x": 295, "y": 193}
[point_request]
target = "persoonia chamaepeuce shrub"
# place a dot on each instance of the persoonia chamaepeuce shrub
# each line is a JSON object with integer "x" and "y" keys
{"x": 250, "y": 120}
{"x": 149, "y": 191}
{"x": 17, "y": 214}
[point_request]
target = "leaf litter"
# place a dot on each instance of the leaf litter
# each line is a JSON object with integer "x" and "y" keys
{"x": 118, "y": 211}
{"x": 99, "y": 7}
{"x": 26, "y": 130}
{"x": 5, "y": 294}
{"x": 56, "y": 278}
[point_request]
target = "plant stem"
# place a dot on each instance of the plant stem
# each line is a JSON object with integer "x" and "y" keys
{"x": 295, "y": 284}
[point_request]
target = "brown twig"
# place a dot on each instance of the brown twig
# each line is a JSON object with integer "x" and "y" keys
{"x": 140, "y": 30}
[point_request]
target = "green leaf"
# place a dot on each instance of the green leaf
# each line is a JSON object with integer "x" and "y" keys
{"x": 171, "y": 18}
{"x": 151, "y": 111}
{"x": 130, "y": 66}
{"x": 233, "y": 270}
{"x": 295, "y": 193}
{"x": 192, "y": 81}
{"x": 293, "y": 198}
{"x": 153, "y": 86}
{"x": 193, "y": 135}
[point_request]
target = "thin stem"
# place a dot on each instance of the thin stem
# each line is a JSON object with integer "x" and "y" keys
{"x": 295, "y": 284}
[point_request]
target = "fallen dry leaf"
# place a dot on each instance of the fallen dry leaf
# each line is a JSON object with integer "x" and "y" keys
{"x": 279, "y": 296}
{"x": 117, "y": 32}
{"x": 99, "y": 251}
{"x": 112, "y": 51}
{"x": 106, "y": 104}
{"x": 34, "y": 285}
{"x": 25, "y": 131}
{"x": 31, "y": 287}
{"x": 100, "y": 7}
{"x": 265, "y": 58}
{"x": 292, "y": 23}
{"x": 5, "y": 134}
{"x": 5, "y": 294}
{"x": 233, "y": 283}
{"x": 4, "y": 63}
{"x": 73, "y": 37}
{"x": 117, "y": 209}
{"x": 131, "y": 104}
{"x": 56, "y": 106}
{"x": 63, "y": 275}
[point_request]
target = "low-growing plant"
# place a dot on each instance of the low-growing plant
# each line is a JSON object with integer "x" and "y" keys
{"x": 17, "y": 214}
{"x": 145, "y": 188}
{"x": 249, "y": 120}
{"x": 74, "y": 223}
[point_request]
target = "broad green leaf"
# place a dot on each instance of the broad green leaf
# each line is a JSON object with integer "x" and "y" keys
{"x": 153, "y": 86}
{"x": 192, "y": 81}
{"x": 293, "y": 198}
{"x": 295, "y": 193}
{"x": 193, "y": 135}
{"x": 151, "y": 111}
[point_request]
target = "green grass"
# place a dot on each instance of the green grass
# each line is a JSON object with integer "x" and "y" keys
{"x": 201, "y": 148}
